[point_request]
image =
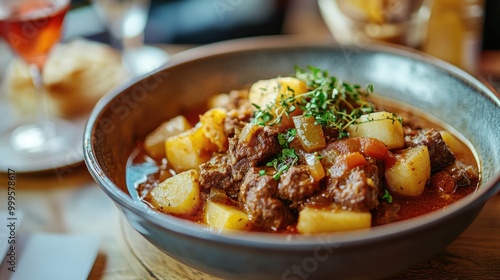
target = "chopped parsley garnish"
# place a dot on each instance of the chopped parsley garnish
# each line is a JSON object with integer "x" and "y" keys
{"x": 332, "y": 102}
{"x": 282, "y": 162}
{"x": 387, "y": 196}
{"x": 393, "y": 117}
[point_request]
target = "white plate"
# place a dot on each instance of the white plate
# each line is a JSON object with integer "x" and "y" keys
{"x": 60, "y": 163}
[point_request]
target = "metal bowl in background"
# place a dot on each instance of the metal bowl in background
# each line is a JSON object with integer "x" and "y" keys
{"x": 127, "y": 115}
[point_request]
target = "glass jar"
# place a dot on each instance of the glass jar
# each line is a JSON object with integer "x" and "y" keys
{"x": 455, "y": 31}
{"x": 362, "y": 21}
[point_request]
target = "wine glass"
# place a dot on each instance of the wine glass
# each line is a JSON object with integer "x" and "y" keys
{"x": 31, "y": 28}
{"x": 126, "y": 21}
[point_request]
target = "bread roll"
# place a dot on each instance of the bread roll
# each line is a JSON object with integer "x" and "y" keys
{"x": 76, "y": 75}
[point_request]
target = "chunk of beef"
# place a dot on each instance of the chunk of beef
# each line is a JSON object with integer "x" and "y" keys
{"x": 439, "y": 153}
{"x": 352, "y": 188}
{"x": 258, "y": 195}
{"x": 297, "y": 184}
{"x": 235, "y": 121}
{"x": 455, "y": 176}
{"x": 238, "y": 99}
{"x": 464, "y": 175}
{"x": 444, "y": 182}
{"x": 355, "y": 189}
{"x": 258, "y": 145}
{"x": 240, "y": 111}
{"x": 330, "y": 133}
{"x": 217, "y": 172}
{"x": 359, "y": 190}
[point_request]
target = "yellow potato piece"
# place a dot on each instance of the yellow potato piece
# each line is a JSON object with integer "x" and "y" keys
{"x": 382, "y": 126}
{"x": 154, "y": 143}
{"x": 179, "y": 194}
{"x": 273, "y": 90}
{"x": 212, "y": 123}
{"x": 455, "y": 145}
{"x": 312, "y": 220}
{"x": 410, "y": 173}
{"x": 221, "y": 217}
{"x": 189, "y": 149}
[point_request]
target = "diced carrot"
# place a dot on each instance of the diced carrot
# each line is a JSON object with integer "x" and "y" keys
{"x": 367, "y": 146}
{"x": 355, "y": 159}
{"x": 363, "y": 147}
{"x": 373, "y": 148}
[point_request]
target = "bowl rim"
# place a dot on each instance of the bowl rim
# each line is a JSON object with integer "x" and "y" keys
{"x": 286, "y": 241}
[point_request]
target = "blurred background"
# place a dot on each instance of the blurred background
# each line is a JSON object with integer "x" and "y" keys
{"x": 141, "y": 35}
{"x": 454, "y": 30}
{"x": 448, "y": 23}
{"x": 197, "y": 22}
{"x": 206, "y": 21}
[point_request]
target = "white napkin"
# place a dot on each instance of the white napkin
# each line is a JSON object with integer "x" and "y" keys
{"x": 46, "y": 255}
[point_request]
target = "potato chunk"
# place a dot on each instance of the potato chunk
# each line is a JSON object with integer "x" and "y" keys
{"x": 273, "y": 90}
{"x": 411, "y": 171}
{"x": 310, "y": 134}
{"x": 313, "y": 220}
{"x": 179, "y": 194}
{"x": 455, "y": 145}
{"x": 221, "y": 217}
{"x": 382, "y": 126}
{"x": 154, "y": 143}
{"x": 189, "y": 149}
{"x": 212, "y": 123}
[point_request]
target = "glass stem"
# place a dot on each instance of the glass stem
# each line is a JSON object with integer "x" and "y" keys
{"x": 41, "y": 105}
{"x": 130, "y": 43}
{"x": 37, "y": 137}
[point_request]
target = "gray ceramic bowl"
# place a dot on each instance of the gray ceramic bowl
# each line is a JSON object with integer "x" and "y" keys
{"x": 125, "y": 116}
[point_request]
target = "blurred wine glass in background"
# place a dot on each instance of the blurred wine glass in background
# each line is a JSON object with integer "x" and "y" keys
{"x": 32, "y": 28}
{"x": 126, "y": 21}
